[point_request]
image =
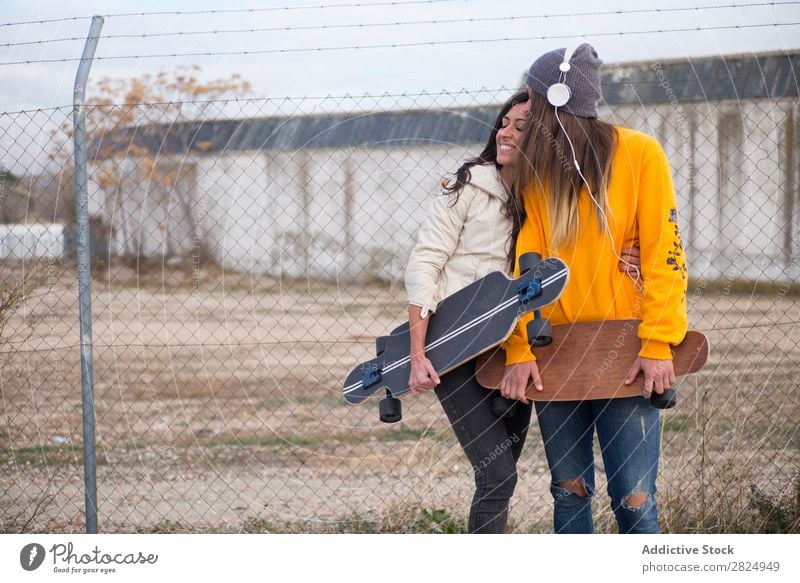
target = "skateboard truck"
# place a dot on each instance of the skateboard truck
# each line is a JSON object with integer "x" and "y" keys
{"x": 370, "y": 376}
{"x": 390, "y": 409}
{"x": 532, "y": 289}
{"x": 529, "y": 291}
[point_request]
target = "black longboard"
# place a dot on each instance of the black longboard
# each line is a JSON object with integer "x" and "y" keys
{"x": 466, "y": 324}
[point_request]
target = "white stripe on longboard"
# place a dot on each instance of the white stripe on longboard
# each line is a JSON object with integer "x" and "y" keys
{"x": 457, "y": 332}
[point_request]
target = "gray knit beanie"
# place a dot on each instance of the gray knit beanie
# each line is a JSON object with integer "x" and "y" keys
{"x": 583, "y": 78}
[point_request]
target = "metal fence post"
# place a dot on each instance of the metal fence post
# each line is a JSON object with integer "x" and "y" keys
{"x": 84, "y": 274}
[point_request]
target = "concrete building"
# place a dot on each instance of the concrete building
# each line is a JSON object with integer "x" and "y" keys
{"x": 339, "y": 197}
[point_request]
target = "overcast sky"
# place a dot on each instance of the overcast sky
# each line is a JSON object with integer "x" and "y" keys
{"x": 376, "y": 70}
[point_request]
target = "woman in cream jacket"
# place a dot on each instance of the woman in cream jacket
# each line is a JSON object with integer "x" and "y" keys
{"x": 463, "y": 239}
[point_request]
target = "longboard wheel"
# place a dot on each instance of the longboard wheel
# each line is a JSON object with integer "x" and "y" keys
{"x": 540, "y": 332}
{"x": 666, "y": 400}
{"x": 390, "y": 409}
{"x": 502, "y": 407}
{"x": 528, "y": 261}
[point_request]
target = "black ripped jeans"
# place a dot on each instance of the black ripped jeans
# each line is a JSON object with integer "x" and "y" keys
{"x": 493, "y": 445}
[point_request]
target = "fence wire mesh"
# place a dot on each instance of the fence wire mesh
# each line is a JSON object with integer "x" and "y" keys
{"x": 246, "y": 255}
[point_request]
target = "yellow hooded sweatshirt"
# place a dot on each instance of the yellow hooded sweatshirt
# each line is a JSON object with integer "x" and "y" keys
{"x": 643, "y": 207}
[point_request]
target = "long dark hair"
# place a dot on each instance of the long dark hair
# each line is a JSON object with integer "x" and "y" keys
{"x": 489, "y": 153}
{"x": 546, "y": 165}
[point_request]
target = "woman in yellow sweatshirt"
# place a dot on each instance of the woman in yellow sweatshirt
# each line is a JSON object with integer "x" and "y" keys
{"x": 589, "y": 189}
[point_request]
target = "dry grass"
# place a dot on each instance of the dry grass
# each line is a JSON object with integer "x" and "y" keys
{"x": 219, "y": 410}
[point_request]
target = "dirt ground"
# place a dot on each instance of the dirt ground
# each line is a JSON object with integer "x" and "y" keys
{"x": 218, "y": 407}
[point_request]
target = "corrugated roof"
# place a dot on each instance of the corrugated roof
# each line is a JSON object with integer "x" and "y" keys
{"x": 767, "y": 75}
{"x": 375, "y": 129}
{"x": 773, "y": 76}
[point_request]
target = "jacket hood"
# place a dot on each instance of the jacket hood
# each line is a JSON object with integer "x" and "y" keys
{"x": 486, "y": 177}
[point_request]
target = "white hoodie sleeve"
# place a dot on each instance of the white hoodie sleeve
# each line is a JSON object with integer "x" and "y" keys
{"x": 437, "y": 240}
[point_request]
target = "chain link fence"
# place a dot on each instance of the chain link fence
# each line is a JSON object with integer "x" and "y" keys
{"x": 246, "y": 255}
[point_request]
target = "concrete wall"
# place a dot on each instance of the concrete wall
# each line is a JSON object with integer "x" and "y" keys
{"x": 352, "y": 214}
{"x": 329, "y": 214}
{"x": 735, "y": 168}
{"x": 32, "y": 241}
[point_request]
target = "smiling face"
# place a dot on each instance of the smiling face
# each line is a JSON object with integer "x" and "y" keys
{"x": 510, "y": 134}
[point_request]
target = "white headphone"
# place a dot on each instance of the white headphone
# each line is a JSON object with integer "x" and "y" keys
{"x": 558, "y": 93}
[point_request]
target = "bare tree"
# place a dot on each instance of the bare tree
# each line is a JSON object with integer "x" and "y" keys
{"x": 143, "y": 145}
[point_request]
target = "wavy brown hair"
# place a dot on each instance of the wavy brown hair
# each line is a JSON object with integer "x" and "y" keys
{"x": 488, "y": 155}
{"x": 546, "y": 168}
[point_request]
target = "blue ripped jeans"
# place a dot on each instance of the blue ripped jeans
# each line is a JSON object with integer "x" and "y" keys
{"x": 629, "y": 436}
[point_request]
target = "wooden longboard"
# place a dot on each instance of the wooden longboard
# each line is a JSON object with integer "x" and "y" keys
{"x": 466, "y": 324}
{"x": 590, "y": 360}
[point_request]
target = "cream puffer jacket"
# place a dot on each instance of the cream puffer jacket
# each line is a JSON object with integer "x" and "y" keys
{"x": 459, "y": 243}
